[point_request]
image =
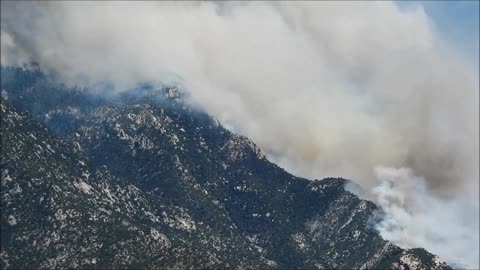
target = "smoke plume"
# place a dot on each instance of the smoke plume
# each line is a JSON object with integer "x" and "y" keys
{"x": 414, "y": 218}
{"x": 326, "y": 88}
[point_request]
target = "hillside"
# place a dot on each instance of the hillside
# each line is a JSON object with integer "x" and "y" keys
{"x": 142, "y": 180}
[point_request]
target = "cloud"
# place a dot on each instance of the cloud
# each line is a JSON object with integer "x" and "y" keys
{"x": 326, "y": 88}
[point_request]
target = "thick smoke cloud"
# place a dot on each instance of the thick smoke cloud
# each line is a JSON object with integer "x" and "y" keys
{"x": 413, "y": 218}
{"x": 326, "y": 88}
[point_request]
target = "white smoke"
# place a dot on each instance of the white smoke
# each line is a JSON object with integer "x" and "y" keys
{"x": 415, "y": 218}
{"x": 327, "y": 88}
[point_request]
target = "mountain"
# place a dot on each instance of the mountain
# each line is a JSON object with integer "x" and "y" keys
{"x": 144, "y": 180}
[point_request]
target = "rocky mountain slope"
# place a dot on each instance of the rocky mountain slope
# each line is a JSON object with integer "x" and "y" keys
{"x": 142, "y": 180}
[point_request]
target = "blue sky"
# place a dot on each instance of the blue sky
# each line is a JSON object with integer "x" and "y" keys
{"x": 457, "y": 22}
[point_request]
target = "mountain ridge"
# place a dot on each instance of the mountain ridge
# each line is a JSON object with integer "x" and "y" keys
{"x": 206, "y": 197}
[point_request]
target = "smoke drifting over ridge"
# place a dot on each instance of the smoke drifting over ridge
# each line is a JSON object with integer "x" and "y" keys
{"x": 327, "y": 88}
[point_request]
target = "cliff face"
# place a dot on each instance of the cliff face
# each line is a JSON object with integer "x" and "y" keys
{"x": 143, "y": 180}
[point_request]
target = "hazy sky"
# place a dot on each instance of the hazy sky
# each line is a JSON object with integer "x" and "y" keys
{"x": 456, "y": 21}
